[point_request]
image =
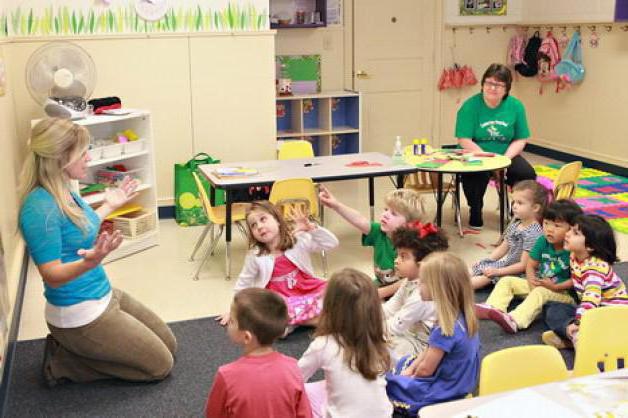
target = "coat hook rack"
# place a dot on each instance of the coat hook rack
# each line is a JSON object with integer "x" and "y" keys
{"x": 592, "y": 28}
{"x": 563, "y": 28}
{"x": 488, "y": 29}
{"x": 550, "y": 28}
{"x": 608, "y": 28}
{"x": 470, "y": 31}
{"x": 536, "y": 28}
{"x": 504, "y": 28}
{"x": 577, "y": 28}
{"x": 624, "y": 28}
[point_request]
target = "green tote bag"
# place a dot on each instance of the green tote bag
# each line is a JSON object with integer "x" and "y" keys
{"x": 188, "y": 207}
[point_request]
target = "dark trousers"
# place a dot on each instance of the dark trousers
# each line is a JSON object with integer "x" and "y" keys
{"x": 474, "y": 185}
{"x": 557, "y": 316}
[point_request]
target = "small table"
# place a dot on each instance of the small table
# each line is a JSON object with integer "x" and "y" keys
{"x": 439, "y": 162}
{"x": 552, "y": 393}
{"x": 319, "y": 169}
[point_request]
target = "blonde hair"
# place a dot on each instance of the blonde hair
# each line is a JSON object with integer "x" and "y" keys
{"x": 352, "y": 314}
{"x": 54, "y": 144}
{"x": 406, "y": 202}
{"x": 286, "y": 240}
{"x": 447, "y": 278}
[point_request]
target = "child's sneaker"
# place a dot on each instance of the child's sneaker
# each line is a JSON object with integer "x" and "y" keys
{"x": 550, "y": 338}
{"x": 482, "y": 310}
{"x": 503, "y": 320}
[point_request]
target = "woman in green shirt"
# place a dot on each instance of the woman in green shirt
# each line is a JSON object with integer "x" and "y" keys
{"x": 493, "y": 121}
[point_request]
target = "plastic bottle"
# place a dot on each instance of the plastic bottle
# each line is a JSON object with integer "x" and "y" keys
{"x": 424, "y": 142}
{"x": 397, "y": 157}
{"x": 416, "y": 146}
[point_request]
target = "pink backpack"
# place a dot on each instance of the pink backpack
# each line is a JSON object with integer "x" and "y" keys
{"x": 516, "y": 48}
{"x": 548, "y": 57}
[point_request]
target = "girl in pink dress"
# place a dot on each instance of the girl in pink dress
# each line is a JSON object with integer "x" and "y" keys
{"x": 279, "y": 260}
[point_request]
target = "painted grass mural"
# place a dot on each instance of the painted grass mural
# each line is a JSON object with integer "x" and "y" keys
{"x": 67, "y": 21}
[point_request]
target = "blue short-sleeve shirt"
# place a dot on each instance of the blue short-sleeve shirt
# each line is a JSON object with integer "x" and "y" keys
{"x": 50, "y": 235}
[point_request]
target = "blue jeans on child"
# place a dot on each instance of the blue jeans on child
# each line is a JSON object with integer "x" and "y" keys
{"x": 557, "y": 316}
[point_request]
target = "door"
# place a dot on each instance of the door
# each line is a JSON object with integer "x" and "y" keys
{"x": 393, "y": 67}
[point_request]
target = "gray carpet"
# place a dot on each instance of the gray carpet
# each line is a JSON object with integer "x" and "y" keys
{"x": 203, "y": 346}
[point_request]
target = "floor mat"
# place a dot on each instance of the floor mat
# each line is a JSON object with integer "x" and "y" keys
{"x": 598, "y": 193}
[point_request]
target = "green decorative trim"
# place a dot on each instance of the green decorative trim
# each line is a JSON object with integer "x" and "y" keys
{"x": 66, "y": 21}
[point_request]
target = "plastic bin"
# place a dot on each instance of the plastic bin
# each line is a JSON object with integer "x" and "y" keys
{"x": 132, "y": 147}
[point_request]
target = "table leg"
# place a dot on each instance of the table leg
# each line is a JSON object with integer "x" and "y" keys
{"x": 400, "y": 180}
{"x": 458, "y": 209}
{"x": 372, "y": 197}
{"x": 502, "y": 200}
{"x": 212, "y": 196}
{"x": 439, "y": 199}
{"x": 228, "y": 232}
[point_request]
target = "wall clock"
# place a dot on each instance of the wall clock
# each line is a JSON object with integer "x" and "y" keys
{"x": 151, "y": 10}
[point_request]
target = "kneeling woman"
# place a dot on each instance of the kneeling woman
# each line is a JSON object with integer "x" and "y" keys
{"x": 97, "y": 332}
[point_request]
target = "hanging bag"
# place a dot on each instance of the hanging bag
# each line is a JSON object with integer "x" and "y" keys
{"x": 529, "y": 66}
{"x": 570, "y": 68}
{"x": 548, "y": 58}
{"x": 188, "y": 207}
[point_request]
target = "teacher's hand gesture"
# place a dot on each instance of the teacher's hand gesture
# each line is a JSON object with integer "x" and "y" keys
{"x": 105, "y": 243}
{"x": 118, "y": 196}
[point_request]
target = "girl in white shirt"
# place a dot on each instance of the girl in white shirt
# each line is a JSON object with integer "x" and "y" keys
{"x": 350, "y": 348}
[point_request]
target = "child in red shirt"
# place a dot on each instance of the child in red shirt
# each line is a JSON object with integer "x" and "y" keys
{"x": 263, "y": 382}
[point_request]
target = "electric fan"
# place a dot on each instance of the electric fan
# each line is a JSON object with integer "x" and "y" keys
{"x": 60, "y": 77}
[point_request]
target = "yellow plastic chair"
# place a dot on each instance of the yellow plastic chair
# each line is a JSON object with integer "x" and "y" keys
{"x": 300, "y": 194}
{"x": 290, "y": 150}
{"x": 217, "y": 216}
{"x": 567, "y": 180}
{"x": 602, "y": 343}
{"x": 519, "y": 367}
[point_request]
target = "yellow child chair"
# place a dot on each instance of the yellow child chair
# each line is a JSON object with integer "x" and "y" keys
{"x": 300, "y": 194}
{"x": 217, "y": 216}
{"x": 290, "y": 150}
{"x": 519, "y": 367}
{"x": 602, "y": 343}
{"x": 567, "y": 180}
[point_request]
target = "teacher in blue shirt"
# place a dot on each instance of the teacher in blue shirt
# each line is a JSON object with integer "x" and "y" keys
{"x": 96, "y": 331}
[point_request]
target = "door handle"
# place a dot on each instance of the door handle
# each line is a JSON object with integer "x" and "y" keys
{"x": 362, "y": 74}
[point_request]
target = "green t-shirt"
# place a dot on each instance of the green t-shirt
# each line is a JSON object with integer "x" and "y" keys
{"x": 552, "y": 264}
{"x": 384, "y": 253}
{"x": 492, "y": 129}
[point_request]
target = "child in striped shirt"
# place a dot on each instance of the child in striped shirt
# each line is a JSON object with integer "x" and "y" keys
{"x": 593, "y": 251}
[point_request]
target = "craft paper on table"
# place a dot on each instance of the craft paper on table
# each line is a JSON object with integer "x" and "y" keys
{"x": 524, "y": 403}
{"x": 235, "y": 171}
{"x": 603, "y": 396}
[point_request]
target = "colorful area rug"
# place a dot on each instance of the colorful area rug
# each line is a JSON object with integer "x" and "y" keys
{"x": 598, "y": 193}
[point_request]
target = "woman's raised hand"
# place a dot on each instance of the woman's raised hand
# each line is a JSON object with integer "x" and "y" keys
{"x": 105, "y": 243}
{"x": 118, "y": 196}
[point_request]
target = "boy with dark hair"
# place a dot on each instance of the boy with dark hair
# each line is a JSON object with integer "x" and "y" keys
{"x": 547, "y": 274}
{"x": 263, "y": 382}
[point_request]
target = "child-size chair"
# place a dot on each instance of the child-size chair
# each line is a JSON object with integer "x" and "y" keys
{"x": 567, "y": 180}
{"x": 290, "y": 150}
{"x": 519, "y": 367}
{"x": 602, "y": 343}
{"x": 300, "y": 194}
{"x": 216, "y": 216}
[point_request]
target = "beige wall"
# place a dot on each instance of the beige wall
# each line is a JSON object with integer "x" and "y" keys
{"x": 211, "y": 93}
{"x": 587, "y": 120}
{"x": 13, "y": 245}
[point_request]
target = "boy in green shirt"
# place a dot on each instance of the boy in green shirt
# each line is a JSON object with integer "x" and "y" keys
{"x": 402, "y": 206}
{"x": 548, "y": 277}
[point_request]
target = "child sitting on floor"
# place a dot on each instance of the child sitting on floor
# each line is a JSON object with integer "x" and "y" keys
{"x": 280, "y": 261}
{"x": 551, "y": 283}
{"x": 349, "y": 346}
{"x": 409, "y": 318}
{"x": 449, "y": 368}
{"x": 402, "y": 206}
{"x": 510, "y": 257}
{"x": 593, "y": 251}
{"x": 263, "y": 382}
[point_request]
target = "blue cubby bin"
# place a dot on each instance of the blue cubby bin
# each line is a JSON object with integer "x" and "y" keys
{"x": 311, "y": 114}
{"x": 284, "y": 123}
{"x": 346, "y": 113}
{"x": 345, "y": 144}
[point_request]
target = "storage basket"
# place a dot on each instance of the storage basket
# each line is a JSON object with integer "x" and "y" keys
{"x": 134, "y": 224}
{"x": 132, "y": 147}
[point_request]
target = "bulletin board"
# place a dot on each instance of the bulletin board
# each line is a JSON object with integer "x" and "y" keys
{"x": 483, "y": 7}
{"x": 303, "y": 70}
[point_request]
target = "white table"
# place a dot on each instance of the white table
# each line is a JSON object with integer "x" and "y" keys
{"x": 319, "y": 169}
{"x": 552, "y": 393}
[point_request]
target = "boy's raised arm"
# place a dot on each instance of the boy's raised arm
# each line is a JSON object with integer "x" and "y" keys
{"x": 351, "y": 215}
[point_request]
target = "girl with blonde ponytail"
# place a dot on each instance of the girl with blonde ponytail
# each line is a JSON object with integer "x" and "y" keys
{"x": 85, "y": 315}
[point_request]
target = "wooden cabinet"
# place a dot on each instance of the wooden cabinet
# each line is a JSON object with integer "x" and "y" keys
{"x": 138, "y": 158}
{"x": 331, "y": 121}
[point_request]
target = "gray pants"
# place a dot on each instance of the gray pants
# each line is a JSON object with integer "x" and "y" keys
{"x": 128, "y": 341}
